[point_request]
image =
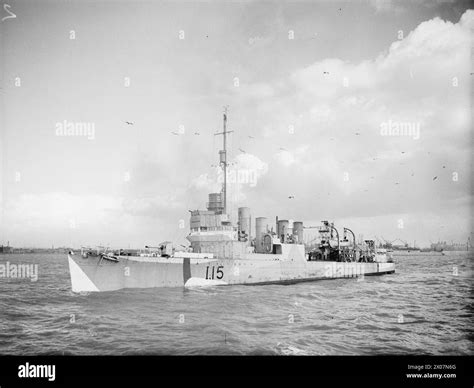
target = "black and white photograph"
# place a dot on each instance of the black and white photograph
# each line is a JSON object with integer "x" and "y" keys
{"x": 239, "y": 186}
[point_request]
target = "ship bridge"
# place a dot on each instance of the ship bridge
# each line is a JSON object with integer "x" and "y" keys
{"x": 212, "y": 231}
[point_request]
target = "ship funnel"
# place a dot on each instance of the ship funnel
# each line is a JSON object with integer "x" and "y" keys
{"x": 244, "y": 223}
{"x": 215, "y": 203}
{"x": 298, "y": 232}
{"x": 261, "y": 228}
{"x": 283, "y": 229}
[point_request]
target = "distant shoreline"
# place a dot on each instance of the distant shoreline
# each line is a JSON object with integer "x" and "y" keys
{"x": 63, "y": 250}
{"x": 16, "y": 251}
{"x": 423, "y": 253}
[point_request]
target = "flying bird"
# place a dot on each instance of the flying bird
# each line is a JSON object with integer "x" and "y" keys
{"x": 197, "y": 133}
{"x": 175, "y": 133}
{"x": 444, "y": 166}
{"x": 283, "y": 149}
{"x": 291, "y": 197}
{"x": 128, "y": 123}
{"x": 325, "y": 72}
{"x": 251, "y": 137}
{"x": 357, "y": 133}
{"x": 435, "y": 178}
{"x": 241, "y": 150}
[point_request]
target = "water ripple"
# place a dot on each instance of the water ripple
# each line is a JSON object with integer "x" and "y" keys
{"x": 423, "y": 308}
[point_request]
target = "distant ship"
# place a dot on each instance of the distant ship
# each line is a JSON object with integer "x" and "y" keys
{"x": 222, "y": 253}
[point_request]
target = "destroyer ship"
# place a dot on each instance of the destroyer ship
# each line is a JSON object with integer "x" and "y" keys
{"x": 223, "y": 252}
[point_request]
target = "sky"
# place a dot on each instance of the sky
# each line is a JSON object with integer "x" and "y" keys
{"x": 354, "y": 112}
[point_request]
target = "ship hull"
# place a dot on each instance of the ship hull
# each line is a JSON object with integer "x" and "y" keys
{"x": 93, "y": 274}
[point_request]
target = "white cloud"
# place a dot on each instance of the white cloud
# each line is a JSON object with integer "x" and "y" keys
{"x": 58, "y": 209}
{"x": 206, "y": 182}
{"x": 336, "y": 108}
{"x": 424, "y": 78}
{"x": 289, "y": 158}
{"x": 243, "y": 173}
{"x": 382, "y": 6}
{"x": 253, "y": 91}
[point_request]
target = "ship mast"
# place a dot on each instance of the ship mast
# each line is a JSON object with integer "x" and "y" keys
{"x": 223, "y": 158}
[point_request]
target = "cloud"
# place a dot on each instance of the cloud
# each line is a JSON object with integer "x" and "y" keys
{"x": 61, "y": 218}
{"x": 156, "y": 206}
{"x": 289, "y": 158}
{"x": 243, "y": 173}
{"x": 407, "y": 83}
{"x": 316, "y": 135}
{"x": 252, "y": 91}
{"x": 338, "y": 107}
{"x": 382, "y": 6}
{"x": 246, "y": 161}
{"x": 58, "y": 209}
{"x": 75, "y": 220}
{"x": 207, "y": 182}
